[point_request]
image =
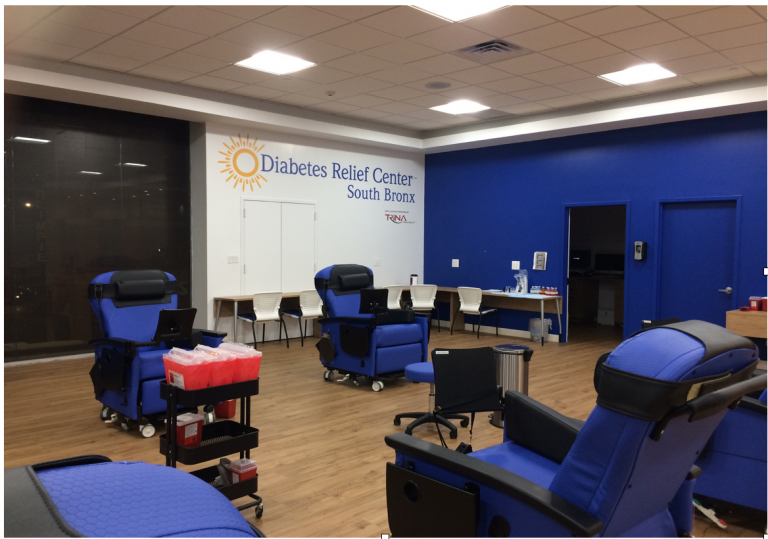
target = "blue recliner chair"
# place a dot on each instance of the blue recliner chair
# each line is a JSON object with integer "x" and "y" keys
{"x": 365, "y": 344}
{"x": 129, "y": 357}
{"x": 627, "y": 471}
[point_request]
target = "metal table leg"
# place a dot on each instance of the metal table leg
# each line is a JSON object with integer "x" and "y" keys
{"x": 542, "y": 322}
{"x": 234, "y": 332}
{"x": 218, "y": 313}
{"x": 559, "y": 305}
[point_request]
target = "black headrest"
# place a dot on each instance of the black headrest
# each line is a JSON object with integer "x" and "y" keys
{"x": 349, "y": 279}
{"x": 132, "y": 290}
{"x": 355, "y": 281}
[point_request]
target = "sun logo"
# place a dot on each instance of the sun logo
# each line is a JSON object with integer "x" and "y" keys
{"x": 242, "y": 163}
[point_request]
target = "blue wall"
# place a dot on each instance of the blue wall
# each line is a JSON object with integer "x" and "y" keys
{"x": 490, "y": 206}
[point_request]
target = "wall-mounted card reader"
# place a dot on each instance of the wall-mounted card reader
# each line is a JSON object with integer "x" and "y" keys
{"x": 540, "y": 260}
{"x": 641, "y": 250}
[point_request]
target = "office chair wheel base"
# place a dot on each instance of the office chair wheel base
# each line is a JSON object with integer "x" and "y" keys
{"x": 328, "y": 376}
{"x": 465, "y": 422}
{"x": 105, "y": 414}
{"x": 454, "y": 435}
{"x": 125, "y": 426}
{"x": 377, "y": 386}
{"x": 259, "y": 510}
{"x": 148, "y": 430}
{"x": 397, "y": 421}
{"x": 357, "y": 384}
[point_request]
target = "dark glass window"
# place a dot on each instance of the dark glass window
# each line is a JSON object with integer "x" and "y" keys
{"x": 87, "y": 191}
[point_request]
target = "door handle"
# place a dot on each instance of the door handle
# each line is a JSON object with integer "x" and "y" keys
{"x": 727, "y": 290}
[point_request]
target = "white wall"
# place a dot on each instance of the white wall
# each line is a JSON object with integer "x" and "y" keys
{"x": 348, "y": 230}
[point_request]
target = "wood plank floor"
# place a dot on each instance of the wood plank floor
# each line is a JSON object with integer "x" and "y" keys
{"x": 322, "y": 454}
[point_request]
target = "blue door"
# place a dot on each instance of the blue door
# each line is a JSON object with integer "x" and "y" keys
{"x": 698, "y": 253}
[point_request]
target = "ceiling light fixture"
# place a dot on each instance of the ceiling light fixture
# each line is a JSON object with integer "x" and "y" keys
{"x": 90, "y": 172}
{"x": 458, "y": 11}
{"x": 462, "y": 106}
{"x": 275, "y": 63}
{"x": 133, "y": 164}
{"x": 638, "y": 74}
{"x": 32, "y": 140}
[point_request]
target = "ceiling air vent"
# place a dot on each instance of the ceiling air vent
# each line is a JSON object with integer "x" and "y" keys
{"x": 491, "y": 51}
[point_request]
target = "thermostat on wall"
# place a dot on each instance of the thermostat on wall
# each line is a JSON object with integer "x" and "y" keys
{"x": 540, "y": 260}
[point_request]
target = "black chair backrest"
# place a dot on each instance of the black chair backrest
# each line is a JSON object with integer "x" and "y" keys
{"x": 465, "y": 380}
{"x": 647, "y": 324}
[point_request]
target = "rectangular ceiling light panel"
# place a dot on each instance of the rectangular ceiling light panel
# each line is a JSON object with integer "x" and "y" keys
{"x": 275, "y": 63}
{"x": 638, "y": 74}
{"x": 458, "y": 11}
{"x": 462, "y": 106}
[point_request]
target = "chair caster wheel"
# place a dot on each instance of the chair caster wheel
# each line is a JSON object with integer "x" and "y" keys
{"x": 465, "y": 422}
{"x": 377, "y": 386}
{"x": 397, "y": 422}
{"x": 105, "y": 413}
{"x": 328, "y": 376}
{"x": 357, "y": 384}
{"x": 209, "y": 414}
{"x": 454, "y": 435}
{"x": 259, "y": 510}
{"x": 125, "y": 426}
{"x": 148, "y": 430}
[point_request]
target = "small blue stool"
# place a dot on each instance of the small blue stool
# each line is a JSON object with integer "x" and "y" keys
{"x": 425, "y": 372}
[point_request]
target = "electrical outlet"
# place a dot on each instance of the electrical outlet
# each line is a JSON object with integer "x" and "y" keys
{"x": 232, "y": 259}
{"x": 455, "y": 263}
{"x": 377, "y": 262}
{"x": 516, "y": 264}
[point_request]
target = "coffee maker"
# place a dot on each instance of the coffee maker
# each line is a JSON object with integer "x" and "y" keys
{"x": 522, "y": 282}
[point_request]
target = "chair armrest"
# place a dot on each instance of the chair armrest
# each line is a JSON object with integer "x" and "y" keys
{"x": 549, "y": 504}
{"x": 539, "y": 428}
{"x": 126, "y": 344}
{"x": 754, "y": 404}
{"x": 211, "y": 333}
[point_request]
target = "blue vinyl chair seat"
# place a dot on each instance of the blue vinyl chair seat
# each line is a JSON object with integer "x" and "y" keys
{"x": 153, "y": 501}
{"x": 247, "y": 316}
{"x": 519, "y": 460}
{"x": 292, "y": 312}
{"x": 421, "y": 372}
{"x": 396, "y": 335}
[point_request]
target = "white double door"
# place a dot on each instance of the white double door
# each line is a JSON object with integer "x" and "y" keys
{"x": 278, "y": 254}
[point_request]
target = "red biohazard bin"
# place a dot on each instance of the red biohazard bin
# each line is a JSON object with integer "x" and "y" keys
{"x": 243, "y": 470}
{"x": 250, "y": 366}
{"x": 226, "y": 410}
{"x": 755, "y": 303}
{"x": 222, "y": 371}
{"x": 186, "y": 374}
{"x": 189, "y": 430}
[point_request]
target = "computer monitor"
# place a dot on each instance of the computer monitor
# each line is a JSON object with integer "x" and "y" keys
{"x": 580, "y": 260}
{"x": 609, "y": 263}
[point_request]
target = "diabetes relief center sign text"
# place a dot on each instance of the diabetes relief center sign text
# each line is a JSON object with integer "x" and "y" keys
{"x": 369, "y": 183}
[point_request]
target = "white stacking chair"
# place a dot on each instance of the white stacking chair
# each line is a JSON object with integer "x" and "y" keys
{"x": 310, "y": 308}
{"x": 423, "y": 299}
{"x": 469, "y": 303}
{"x": 266, "y": 308}
{"x": 394, "y": 296}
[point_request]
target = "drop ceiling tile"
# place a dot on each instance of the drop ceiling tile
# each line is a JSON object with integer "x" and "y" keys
{"x": 288, "y": 84}
{"x": 241, "y": 74}
{"x": 133, "y": 49}
{"x": 347, "y": 88}
{"x": 697, "y": 63}
{"x": 397, "y": 107}
{"x": 259, "y": 37}
{"x": 157, "y": 71}
{"x": 355, "y": 37}
{"x": 559, "y": 75}
{"x": 258, "y": 92}
{"x": 33, "y": 12}
{"x": 198, "y": 19}
{"x": 297, "y": 100}
{"x": 608, "y": 94}
{"x": 582, "y": 51}
{"x": 162, "y": 35}
{"x": 40, "y": 49}
{"x": 398, "y": 74}
{"x": 527, "y": 108}
{"x": 761, "y": 10}
{"x": 567, "y": 101}
{"x": 443, "y": 64}
{"x": 247, "y": 13}
{"x": 191, "y": 62}
{"x": 213, "y": 83}
{"x": 459, "y": 119}
{"x": 473, "y": 93}
{"x": 509, "y": 20}
{"x": 758, "y": 68}
{"x": 333, "y": 107}
{"x": 610, "y": 64}
{"x": 301, "y": 20}
{"x": 17, "y": 23}
{"x": 501, "y": 100}
{"x": 315, "y": 51}
{"x": 451, "y": 38}
{"x": 93, "y": 18}
{"x": 424, "y": 125}
{"x": 399, "y": 93}
{"x": 512, "y": 84}
{"x": 322, "y": 75}
{"x": 547, "y": 37}
{"x": 429, "y": 101}
{"x": 613, "y": 19}
{"x": 479, "y": 75}
{"x": 218, "y": 49}
{"x": 62, "y": 34}
{"x": 395, "y": 119}
{"x": 539, "y": 94}
{"x": 364, "y": 100}
{"x": 585, "y": 85}
{"x": 7, "y": 38}
{"x": 670, "y": 12}
{"x": 562, "y": 13}
{"x": 662, "y": 85}
{"x": 139, "y": 12}
{"x": 106, "y": 61}
{"x": 750, "y": 53}
{"x": 352, "y": 13}
{"x": 421, "y": 84}
{"x": 365, "y": 114}
{"x": 530, "y": 63}
{"x": 430, "y": 115}
{"x": 645, "y": 36}
{"x": 737, "y": 37}
{"x": 359, "y": 64}
{"x": 718, "y": 74}
{"x": 673, "y": 50}
{"x": 402, "y": 52}
{"x": 716, "y": 20}
{"x": 403, "y": 21}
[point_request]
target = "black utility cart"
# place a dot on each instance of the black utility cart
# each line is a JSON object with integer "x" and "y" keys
{"x": 218, "y": 439}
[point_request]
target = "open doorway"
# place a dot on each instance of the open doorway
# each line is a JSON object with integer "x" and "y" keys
{"x": 597, "y": 240}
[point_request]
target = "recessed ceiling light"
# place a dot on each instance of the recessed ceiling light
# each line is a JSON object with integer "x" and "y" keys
{"x": 133, "y": 164}
{"x": 275, "y": 63}
{"x": 32, "y": 140}
{"x": 89, "y": 172}
{"x": 462, "y": 106}
{"x": 28, "y": 205}
{"x": 638, "y": 74}
{"x": 458, "y": 11}
{"x": 437, "y": 85}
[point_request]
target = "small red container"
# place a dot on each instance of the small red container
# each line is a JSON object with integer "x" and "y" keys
{"x": 243, "y": 470}
{"x": 189, "y": 430}
{"x": 755, "y": 303}
{"x": 186, "y": 375}
{"x": 226, "y": 410}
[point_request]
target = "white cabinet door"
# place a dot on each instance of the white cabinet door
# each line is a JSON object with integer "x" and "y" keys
{"x": 262, "y": 271}
{"x": 298, "y": 247}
